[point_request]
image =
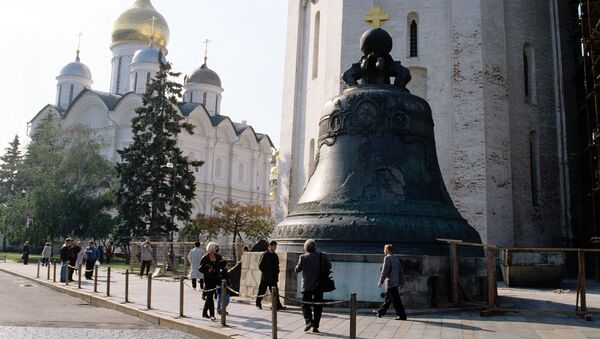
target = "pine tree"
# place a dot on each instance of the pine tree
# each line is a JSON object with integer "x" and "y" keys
{"x": 10, "y": 166}
{"x": 157, "y": 185}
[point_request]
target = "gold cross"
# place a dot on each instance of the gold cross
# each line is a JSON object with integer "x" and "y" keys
{"x": 205, "y": 42}
{"x": 152, "y": 29}
{"x": 376, "y": 16}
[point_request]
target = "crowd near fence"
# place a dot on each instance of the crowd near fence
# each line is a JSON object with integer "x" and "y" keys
{"x": 538, "y": 280}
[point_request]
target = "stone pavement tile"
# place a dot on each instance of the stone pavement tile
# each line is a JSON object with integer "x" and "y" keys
{"x": 246, "y": 320}
{"x": 403, "y": 329}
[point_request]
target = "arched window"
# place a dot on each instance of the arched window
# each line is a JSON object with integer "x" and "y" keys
{"x": 311, "y": 154}
{"x": 120, "y": 63}
{"x": 191, "y": 96}
{"x": 529, "y": 80}
{"x": 216, "y": 104}
{"x": 316, "y": 37}
{"x": 413, "y": 39}
{"x": 71, "y": 94}
{"x": 147, "y": 78}
{"x": 204, "y": 99}
{"x": 59, "y": 94}
{"x": 135, "y": 82}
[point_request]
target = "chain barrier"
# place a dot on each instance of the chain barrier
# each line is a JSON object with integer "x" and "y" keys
{"x": 247, "y": 296}
{"x": 75, "y": 268}
{"x": 323, "y": 303}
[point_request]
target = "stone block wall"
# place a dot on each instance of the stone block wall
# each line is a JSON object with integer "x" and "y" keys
{"x": 426, "y": 278}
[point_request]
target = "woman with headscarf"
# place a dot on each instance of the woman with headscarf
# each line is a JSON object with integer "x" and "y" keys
{"x": 210, "y": 266}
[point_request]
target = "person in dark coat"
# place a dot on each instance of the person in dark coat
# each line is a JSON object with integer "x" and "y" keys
{"x": 312, "y": 264}
{"x": 269, "y": 268}
{"x": 210, "y": 266}
{"x": 393, "y": 277}
{"x": 26, "y": 251}
{"x": 73, "y": 251}
{"x": 65, "y": 251}
{"x": 91, "y": 255}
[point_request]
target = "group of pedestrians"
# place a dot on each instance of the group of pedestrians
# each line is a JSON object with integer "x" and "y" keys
{"x": 73, "y": 255}
{"x": 208, "y": 269}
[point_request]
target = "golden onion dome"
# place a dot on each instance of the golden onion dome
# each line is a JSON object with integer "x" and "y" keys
{"x": 135, "y": 25}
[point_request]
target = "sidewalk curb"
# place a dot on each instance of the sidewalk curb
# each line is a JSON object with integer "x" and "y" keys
{"x": 147, "y": 315}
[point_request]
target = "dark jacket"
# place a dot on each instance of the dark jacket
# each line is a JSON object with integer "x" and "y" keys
{"x": 26, "y": 249}
{"x": 210, "y": 269}
{"x": 65, "y": 253}
{"x": 312, "y": 265}
{"x": 269, "y": 267}
{"x": 73, "y": 251}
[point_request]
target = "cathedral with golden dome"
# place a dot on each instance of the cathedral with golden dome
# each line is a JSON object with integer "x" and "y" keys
{"x": 237, "y": 160}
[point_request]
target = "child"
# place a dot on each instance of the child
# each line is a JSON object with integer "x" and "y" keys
{"x": 223, "y": 275}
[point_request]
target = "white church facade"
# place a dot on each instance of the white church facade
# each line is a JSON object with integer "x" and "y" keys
{"x": 237, "y": 160}
{"x": 494, "y": 73}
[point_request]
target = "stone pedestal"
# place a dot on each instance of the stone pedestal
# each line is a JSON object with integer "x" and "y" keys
{"x": 543, "y": 269}
{"x": 426, "y": 277}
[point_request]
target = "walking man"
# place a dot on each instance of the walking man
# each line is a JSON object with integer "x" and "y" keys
{"x": 393, "y": 276}
{"x": 194, "y": 257}
{"x": 269, "y": 268}
{"x": 91, "y": 255}
{"x": 311, "y": 264}
{"x": 26, "y": 251}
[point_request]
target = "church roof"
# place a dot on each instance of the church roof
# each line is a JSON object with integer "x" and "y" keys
{"x": 204, "y": 75}
{"x": 136, "y": 25}
{"x": 112, "y": 100}
{"x": 77, "y": 69}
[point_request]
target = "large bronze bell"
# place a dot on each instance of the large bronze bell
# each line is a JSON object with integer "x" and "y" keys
{"x": 377, "y": 179}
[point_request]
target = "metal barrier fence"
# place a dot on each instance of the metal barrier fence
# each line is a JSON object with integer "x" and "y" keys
{"x": 224, "y": 288}
{"x": 540, "y": 280}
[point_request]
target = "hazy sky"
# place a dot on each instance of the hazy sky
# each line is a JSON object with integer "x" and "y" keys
{"x": 38, "y": 38}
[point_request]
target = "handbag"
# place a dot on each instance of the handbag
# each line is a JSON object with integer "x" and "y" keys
{"x": 326, "y": 283}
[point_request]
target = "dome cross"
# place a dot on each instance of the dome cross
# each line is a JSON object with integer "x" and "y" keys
{"x": 79, "y": 35}
{"x": 206, "y": 42}
{"x": 154, "y": 18}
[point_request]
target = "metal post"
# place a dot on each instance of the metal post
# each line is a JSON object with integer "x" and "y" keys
{"x": 223, "y": 311}
{"x": 95, "y": 278}
{"x": 274, "y": 298}
{"x": 149, "y": 296}
{"x": 54, "y": 276}
{"x": 38, "y": 270}
{"x": 126, "y": 286}
{"x": 79, "y": 278}
{"x": 48, "y": 268}
{"x": 581, "y": 283}
{"x": 353, "y": 310}
{"x": 181, "y": 296}
{"x": 108, "y": 281}
{"x": 453, "y": 273}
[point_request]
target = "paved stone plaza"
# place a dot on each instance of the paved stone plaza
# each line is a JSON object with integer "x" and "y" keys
{"x": 246, "y": 321}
